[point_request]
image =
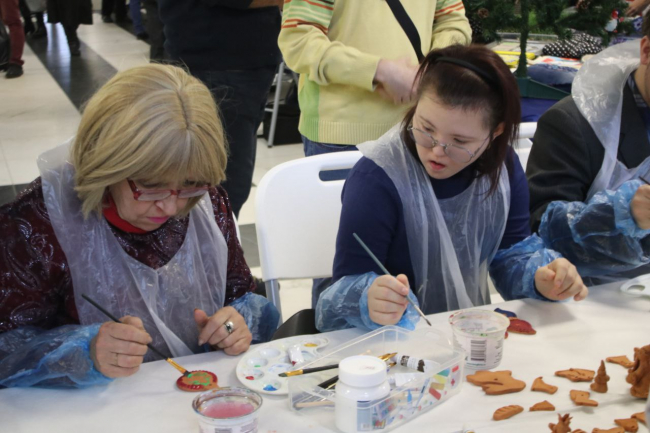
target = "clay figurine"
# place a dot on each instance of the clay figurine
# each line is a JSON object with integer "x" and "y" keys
{"x": 507, "y": 412}
{"x": 541, "y": 386}
{"x": 621, "y": 360}
{"x": 496, "y": 382}
{"x": 563, "y": 424}
{"x": 629, "y": 424}
{"x": 581, "y": 398}
{"x": 639, "y": 375}
{"x": 600, "y": 382}
{"x": 641, "y": 417}
{"x": 544, "y": 405}
{"x": 577, "y": 374}
{"x": 197, "y": 381}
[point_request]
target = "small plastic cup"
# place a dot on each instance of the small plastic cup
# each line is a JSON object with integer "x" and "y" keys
{"x": 228, "y": 410}
{"x": 480, "y": 333}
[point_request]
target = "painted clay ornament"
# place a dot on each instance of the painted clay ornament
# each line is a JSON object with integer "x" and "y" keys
{"x": 600, "y": 382}
{"x": 197, "y": 381}
{"x": 496, "y": 382}
{"x": 630, "y": 424}
{"x": 621, "y": 360}
{"x": 581, "y": 398}
{"x": 577, "y": 374}
{"x": 507, "y": 412}
{"x": 544, "y": 405}
{"x": 540, "y": 386}
{"x": 639, "y": 375}
{"x": 517, "y": 325}
{"x": 563, "y": 424}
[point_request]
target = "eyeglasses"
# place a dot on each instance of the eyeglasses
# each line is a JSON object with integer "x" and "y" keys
{"x": 455, "y": 152}
{"x": 162, "y": 194}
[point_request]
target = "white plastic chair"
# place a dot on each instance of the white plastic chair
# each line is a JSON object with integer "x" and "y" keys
{"x": 297, "y": 219}
{"x": 526, "y": 132}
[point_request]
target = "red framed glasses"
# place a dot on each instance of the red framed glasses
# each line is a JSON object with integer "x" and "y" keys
{"x": 162, "y": 194}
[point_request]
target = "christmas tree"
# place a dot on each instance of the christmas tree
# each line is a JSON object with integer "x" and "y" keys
{"x": 556, "y": 16}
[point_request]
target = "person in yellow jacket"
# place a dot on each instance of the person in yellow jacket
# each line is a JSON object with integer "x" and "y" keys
{"x": 356, "y": 64}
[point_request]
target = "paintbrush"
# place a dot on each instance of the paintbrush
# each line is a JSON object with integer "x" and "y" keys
{"x": 308, "y": 370}
{"x": 644, "y": 179}
{"x": 385, "y": 271}
{"x": 153, "y": 349}
{"x": 329, "y": 383}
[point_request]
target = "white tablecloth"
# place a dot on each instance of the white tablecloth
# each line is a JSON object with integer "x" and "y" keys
{"x": 576, "y": 335}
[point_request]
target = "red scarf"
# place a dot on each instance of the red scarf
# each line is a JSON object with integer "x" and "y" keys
{"x": 111, "y": 215}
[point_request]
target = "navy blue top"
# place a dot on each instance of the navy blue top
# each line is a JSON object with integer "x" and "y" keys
{"x": 372, "y": 208}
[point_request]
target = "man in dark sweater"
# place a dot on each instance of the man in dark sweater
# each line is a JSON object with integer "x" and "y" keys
{"x": 597, "y": 218}
{"x": 231, "y": 45}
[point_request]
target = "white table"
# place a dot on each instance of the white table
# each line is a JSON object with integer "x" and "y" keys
{"x": 577, "y": 335}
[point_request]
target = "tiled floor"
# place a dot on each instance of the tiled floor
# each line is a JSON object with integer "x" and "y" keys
{"x": 40, "y": 110}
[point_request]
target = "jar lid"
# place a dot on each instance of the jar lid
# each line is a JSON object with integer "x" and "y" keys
{"x": 362, "y": 371}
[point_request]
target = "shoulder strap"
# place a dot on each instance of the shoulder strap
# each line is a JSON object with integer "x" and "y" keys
{"x": 407, "y": 25}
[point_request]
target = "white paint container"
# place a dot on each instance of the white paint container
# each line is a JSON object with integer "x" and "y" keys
{"x": 227, "y": 410}
{"x": 363, "y": 381}
{"x": 480, "y": 333}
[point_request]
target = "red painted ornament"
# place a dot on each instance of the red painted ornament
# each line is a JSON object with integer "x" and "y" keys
{"x": 519, "y": 326}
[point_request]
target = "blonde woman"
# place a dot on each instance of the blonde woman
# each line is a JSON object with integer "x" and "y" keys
{"x": 130, "y": 213}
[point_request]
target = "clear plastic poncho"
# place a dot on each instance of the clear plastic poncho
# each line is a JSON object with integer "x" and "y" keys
{"x": 451, "y": 241}
{"x": 163, "y": 298}
{"x": 605, "y": 242}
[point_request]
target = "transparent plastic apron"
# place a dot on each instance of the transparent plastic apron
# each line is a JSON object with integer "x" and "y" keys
{"x": 163, "y": 298}
{"x": 598, "y": 94}
{"x": 451, "y": 241}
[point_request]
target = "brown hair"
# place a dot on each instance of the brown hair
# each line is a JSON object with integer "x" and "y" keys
{"x": 494, "y": 92}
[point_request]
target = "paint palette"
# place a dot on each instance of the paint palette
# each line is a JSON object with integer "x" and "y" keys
{"x": 639, "y": 286}
{"x": 260, "y": 367}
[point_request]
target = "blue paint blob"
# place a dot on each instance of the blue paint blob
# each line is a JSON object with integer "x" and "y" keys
{"x": 505, "y": 312}
{"x": 270, "y": 388}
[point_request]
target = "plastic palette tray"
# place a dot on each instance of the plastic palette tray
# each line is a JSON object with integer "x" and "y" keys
{"x": 419, "y": 395}
{"x": 260, "y": 367}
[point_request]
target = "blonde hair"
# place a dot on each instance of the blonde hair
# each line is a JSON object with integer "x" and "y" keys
{"x": 154, "y": 124}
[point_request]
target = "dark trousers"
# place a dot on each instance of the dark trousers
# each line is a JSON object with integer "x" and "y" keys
{"x": 117, "y": 6}
{"x": 241, "y": 97}
{"x": 155, "y": 30}
{"x": 10, "y": 15}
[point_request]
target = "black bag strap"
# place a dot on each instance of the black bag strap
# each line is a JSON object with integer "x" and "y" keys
{"x": 407, "y": 25}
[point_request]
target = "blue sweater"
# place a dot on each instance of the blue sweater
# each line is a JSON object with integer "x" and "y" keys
{"x": 372, "y": 208}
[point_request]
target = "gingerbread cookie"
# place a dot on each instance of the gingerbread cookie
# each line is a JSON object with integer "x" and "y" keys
{"x": 639, "y": 375}
{"x": 578, "y": 431}
{"x": 197, "y": 381}
{"x": 563, "y": 424}
{"x": 581, "y": 398}
{"x": 600, "y": 382}
{"x": 577, "y": 374}
{"x": 541, "y": 386}
{"x": 621, "y": 360}
{"x": 611, "y": 430}
{"x": 641, "y": 417}
{"x": 544, "y": 405}
{"x": 629, "y": 424}
{"x": 507, "y": 412}
{"x": 496, "y": 382}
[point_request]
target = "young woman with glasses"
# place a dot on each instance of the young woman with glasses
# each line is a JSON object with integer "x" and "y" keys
{"x": 131, "y": 214}
{"x": 442, "y": 200}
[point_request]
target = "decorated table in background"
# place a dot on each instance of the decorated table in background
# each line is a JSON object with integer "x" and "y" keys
{"x": 569, "y": 335}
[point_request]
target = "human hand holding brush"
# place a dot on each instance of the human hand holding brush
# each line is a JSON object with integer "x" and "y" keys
{"x": 118, "y": 349}
{"x": 387, "y": 299}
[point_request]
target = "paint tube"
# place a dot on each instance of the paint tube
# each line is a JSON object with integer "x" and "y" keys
{"x": 295, "y": 355}
{"x": 413, "y": 363}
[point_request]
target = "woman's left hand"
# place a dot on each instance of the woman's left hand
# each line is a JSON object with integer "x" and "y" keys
{"x": 213, "y": 330}
{"x": 559, "y": 280}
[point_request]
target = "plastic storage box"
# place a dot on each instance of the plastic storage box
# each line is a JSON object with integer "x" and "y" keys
{"x": 407, "y": 400}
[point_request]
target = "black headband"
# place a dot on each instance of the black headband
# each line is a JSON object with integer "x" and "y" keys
{"x": 467, "y": 65}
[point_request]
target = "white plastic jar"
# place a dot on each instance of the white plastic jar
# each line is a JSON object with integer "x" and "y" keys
{"x": 362, "y": 379}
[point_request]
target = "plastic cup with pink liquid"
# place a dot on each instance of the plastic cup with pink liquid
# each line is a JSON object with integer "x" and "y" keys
{"x": 228, "y": 410}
